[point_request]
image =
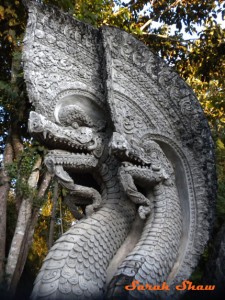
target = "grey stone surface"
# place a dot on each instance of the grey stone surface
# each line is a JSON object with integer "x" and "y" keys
{"x": 106, "y": 106}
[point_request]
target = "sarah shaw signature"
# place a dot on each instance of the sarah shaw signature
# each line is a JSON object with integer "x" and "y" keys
{"x": 185, "y": 285}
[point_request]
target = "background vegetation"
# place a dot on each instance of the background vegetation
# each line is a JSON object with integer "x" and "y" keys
{"x": 186, "y": 33}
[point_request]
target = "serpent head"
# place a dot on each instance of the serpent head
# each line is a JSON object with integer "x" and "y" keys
{"x": 131, "y": 150}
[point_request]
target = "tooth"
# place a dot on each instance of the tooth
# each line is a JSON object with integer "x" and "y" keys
{"x": 156, "y": 168}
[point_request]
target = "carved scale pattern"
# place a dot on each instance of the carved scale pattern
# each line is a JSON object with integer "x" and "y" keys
{"x": 76, "y": 265}
{"x": 156, "y": 252}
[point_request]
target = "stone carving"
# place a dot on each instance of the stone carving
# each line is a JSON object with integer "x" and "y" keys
{"x": 129, "y": 141}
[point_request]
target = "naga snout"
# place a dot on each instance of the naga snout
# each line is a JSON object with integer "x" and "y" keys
{"x": 118, "y": 143}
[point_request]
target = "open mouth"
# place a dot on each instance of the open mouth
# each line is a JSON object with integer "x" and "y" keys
{"x": 67, "y": 143}
{"x": 72, "y": 160}
{"x": 57, "y": 137}
{"x": 61, "y": 163}
{"x": 142, "y": 165}
{"x": 134, "y": 158}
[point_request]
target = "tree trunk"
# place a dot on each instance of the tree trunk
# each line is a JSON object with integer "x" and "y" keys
{"x": 4, "y": 191}
{"x": 52, "y": 222}
{"x": 28, "y": 237}
{"x": 18, "y": 149}
{"x": 23, "y": 221}
{"x": 41, "y": 193}
{"x": 16, "y": 141}
{"x": 61, "y": 215}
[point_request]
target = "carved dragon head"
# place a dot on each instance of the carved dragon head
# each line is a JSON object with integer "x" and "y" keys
{"x": 139, "y": 155}
{"x": 71, "y": 137}
{"x": 75, "y": 140}
{"x": 130, "y": 151}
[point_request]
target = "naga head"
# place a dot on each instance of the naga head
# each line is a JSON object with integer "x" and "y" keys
{"x": 75, "y": 142}
{"x": 130, "y": 151}
{"x": 81, "y": 139}
{"x": 118, "y": 143}
{"x": 135, "y": 153}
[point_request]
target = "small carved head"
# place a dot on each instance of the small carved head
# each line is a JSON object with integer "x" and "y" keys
{"x": 35, "y": 122}
{"x": 118, "y": 142}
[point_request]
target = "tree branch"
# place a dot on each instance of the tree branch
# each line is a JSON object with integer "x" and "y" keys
{"x": 4, "y": 191}
{"x": 23, "y": 220}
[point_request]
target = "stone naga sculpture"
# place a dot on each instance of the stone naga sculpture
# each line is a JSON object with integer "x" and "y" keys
{"x": 129, "y": 140}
